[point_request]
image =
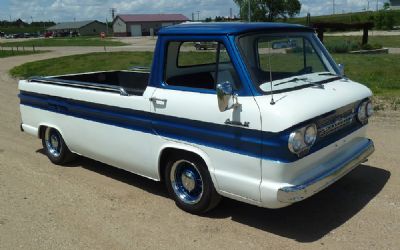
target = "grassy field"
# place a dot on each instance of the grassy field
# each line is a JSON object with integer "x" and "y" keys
{"x": 385, "y": 41}
{"x": 9, "y": 53}
{"x": 346, "y": 18}
{"x": 74, "y": 41}
{"x": 83, "y": 63}
{"x": 379, "y": 72}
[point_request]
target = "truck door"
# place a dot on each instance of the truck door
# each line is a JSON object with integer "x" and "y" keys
{"x": 186, "y": 108}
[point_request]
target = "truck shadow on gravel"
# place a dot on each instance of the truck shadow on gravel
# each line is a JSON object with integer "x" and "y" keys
{"x": 117, "y": 174}
{"x": 311, "y": 219}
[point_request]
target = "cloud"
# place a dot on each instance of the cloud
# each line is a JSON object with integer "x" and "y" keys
{"x": 317, "y": 7}
{"x": 68, "y": 10}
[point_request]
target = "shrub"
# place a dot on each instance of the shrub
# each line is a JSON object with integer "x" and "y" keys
{"x": 342, "y": 47}
{"x": 384, "y": 20}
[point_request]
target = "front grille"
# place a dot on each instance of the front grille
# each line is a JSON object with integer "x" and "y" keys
{"x": 336, "y": 120}
{"x": 336, "y": 125}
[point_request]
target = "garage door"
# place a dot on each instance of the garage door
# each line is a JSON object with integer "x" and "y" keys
{"x": 136, "y": 30}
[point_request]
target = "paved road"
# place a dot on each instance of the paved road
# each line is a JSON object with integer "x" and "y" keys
{"x": 360, "y": 33}
{"x": 89, "y": 205}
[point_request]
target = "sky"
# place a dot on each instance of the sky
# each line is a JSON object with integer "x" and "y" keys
{"x": 70, "y": 10}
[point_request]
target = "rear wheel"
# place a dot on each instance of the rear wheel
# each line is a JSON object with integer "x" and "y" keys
{"x": 55, "y": 147}
{"x": 189, "y": 184}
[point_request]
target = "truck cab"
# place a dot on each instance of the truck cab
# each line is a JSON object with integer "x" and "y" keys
{"x": 264, "y": 116}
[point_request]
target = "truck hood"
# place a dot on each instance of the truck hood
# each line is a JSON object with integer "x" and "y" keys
{"x": 294, "y": 107}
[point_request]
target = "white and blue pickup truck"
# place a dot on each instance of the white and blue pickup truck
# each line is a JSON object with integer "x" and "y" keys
{"x": 265, "y": 117}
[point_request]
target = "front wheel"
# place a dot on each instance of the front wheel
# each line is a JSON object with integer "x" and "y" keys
{"x": 55, "y": 147}
{"x": 189, "y": 184}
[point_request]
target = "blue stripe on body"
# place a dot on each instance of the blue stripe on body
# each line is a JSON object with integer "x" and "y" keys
{"x": 254, "y": 143}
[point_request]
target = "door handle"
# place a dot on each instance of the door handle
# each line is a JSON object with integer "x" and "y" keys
{"x": 156, "y": 100}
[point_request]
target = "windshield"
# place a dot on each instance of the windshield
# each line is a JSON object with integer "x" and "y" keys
{"x": 291, "y": 61}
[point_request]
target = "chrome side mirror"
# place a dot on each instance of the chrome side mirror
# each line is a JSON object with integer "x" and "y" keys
{"x": 341, "y": 69}
{"x": 227, "y": 98}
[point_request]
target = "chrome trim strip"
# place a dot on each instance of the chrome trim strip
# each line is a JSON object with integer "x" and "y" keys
{"x": 297, "y": 193}
{"x": 83, "y": 85}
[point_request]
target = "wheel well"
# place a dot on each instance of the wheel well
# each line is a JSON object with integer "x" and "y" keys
{"x": 42, "y": 129}
{"x": 168, "y": 152}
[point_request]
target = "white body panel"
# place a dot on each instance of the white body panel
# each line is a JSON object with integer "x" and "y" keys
{"x": 238, "y": 176}
{"x": 234, "y": 173}
{"x": 294, "y": 107}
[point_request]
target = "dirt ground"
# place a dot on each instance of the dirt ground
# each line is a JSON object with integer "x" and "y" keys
{"x": 93, "y": 206}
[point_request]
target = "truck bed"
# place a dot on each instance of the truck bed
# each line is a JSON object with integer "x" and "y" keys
{"x": 127, "y": 82}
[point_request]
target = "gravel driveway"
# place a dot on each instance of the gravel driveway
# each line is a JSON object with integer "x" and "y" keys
{"x": 93, "y": 206}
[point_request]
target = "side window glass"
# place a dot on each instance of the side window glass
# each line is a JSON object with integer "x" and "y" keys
{"x": 199, "y": 65}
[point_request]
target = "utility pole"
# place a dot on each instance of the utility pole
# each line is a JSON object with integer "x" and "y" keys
{"x": 106, "y": 26}
{"x": 193, "y": 16}
{"x": 377, "y": 5}
{"x": 334, "y": 7}
{"x": 112, "y": 11}
{"x": 198, "y": 15}
{"x": 249, "y": 14}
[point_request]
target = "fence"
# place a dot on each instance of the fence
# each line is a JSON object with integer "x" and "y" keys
{"x": 17, "y": 50}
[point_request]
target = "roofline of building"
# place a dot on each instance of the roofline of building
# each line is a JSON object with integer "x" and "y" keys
{"x": 119, "y": 16}
{"x": 92, "y": 21}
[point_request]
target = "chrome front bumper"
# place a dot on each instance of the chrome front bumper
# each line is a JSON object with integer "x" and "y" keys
{"x": 300, "y": 192}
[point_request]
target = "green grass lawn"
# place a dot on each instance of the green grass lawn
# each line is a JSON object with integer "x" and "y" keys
{"x": 83, "y": 63}
{"x": 9, "y": 53}
{"x": 55, "y": 42}
{"x": 356, "y": 17}
{"x": 385, "y": 41}
{"x": 379, "y": 72}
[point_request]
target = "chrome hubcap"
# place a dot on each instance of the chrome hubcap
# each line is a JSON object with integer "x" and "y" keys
{"x": 186, "y": 182}
{"x": 53, "y": 142}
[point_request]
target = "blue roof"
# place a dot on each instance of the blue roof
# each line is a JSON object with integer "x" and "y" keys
{"x": 228, "y": 28}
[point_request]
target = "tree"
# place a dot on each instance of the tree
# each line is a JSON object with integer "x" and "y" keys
{"x": 386, "y": 6}
{"x": 268, "y": 10}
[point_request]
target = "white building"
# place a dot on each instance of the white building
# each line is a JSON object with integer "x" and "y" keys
{"x": 395, "y": 4}
{"x": 144, "y": 24}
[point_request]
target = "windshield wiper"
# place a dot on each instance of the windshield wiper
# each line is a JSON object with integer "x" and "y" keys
{"x": 328, "y": 74}
{"x": 292, "y": 80}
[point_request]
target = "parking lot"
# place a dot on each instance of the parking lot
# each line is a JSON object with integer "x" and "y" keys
{"x": 89, "y": 205}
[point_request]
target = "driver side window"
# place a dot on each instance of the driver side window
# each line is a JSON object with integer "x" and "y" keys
{"x": 198, "y": 65}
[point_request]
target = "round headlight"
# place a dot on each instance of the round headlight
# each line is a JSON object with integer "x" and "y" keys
{"x": 310, "y": 135}
{"x": 362, "y": 112}
{"x": 370, "y": 109}
{"x": 296, "y": 141}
